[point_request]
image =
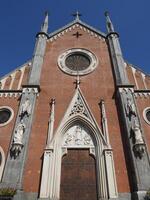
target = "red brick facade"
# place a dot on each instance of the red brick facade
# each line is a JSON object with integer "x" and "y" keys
{"x": 97, "y": 85}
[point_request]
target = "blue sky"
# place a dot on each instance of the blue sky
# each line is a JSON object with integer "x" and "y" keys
{"x": 20, "y": 20}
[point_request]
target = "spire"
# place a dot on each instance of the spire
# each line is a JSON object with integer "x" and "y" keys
{"x": 44, "y": 27}
{"x": 109, "y": 23}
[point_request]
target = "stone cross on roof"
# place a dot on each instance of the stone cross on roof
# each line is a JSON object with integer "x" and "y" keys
{"x": 77, "y": 15}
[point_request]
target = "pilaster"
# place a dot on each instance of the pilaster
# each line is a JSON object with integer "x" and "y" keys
{"x": 135, "y": 142}
{"x": 16, "y": 158}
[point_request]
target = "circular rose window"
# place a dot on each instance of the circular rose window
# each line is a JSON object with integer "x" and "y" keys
{"x": 6, "y": 115}
{"x": 77, "y": 62}
{"x": 146, "y": 115}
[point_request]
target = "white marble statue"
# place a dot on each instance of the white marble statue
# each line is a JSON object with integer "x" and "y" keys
{"x": 130, "y": 107}
{"x": 18, "y": 136}
{"x": 26, "y": 107}
{"x": 137, "y": 133}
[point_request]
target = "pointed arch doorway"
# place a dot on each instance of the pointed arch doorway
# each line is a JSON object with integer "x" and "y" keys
{"x": 78, "y": 176}
{"x": 78, "y": 167}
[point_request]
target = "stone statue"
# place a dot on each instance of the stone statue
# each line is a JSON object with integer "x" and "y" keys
{"x": 26, "y": 108}
{"x": 69, "y": 139}
{"x": 137, "y": 133}
{"x": 87, "y": 140}
{"x": 78, "y": 135}
{"x": 18, "y": 136}
{"x": 130, "y": 107}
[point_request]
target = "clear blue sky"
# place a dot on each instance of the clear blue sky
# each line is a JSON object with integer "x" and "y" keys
{"x": 20, "y": 20}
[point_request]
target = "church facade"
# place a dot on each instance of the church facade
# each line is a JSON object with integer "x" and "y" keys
{"x": 75, "y": 120}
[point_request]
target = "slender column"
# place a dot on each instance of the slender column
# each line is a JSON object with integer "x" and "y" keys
{"x": 108, "y": 156}
{"x": 104, "y": 122}
{"x": 48, "y": 160}
{"x": 51, "y": 123}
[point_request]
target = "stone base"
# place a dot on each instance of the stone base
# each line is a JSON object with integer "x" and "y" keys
{"x": 139, "y": 195}
{"x": 20, "y": 195}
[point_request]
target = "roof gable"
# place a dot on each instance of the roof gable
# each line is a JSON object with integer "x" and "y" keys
{"x": 80, "y": 23}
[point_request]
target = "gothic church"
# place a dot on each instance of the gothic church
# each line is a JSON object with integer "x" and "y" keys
{"x": 75, "y": 120}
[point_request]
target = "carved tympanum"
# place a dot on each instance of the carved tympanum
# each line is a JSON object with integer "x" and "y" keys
{"x": 77, "y": 136}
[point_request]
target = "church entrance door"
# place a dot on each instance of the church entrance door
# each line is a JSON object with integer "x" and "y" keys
{"x": 78, "y": 176}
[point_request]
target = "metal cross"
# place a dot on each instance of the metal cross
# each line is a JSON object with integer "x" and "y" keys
{"x": 77, "y": 34}
{"x": 77, "y": 15}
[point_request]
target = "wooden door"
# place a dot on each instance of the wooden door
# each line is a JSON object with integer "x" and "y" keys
{"x": 78, "y": 176}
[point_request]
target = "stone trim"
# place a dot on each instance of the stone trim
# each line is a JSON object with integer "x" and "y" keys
{"x": 93, "y": 61}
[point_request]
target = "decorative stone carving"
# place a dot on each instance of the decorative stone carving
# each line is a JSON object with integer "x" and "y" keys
{"x": 139, "y": 146}
{"x": 25, "y": 108}
{"x": 78, "y": 108}
{"x": 77, "y": 137}
{"x": 17, "y": 140}
{"x": 19, "y": 133}
{"x": 130, "y": 108}
{"x": 137, "y": 133}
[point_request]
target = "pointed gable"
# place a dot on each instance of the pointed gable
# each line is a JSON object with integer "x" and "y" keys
{"x": 72, "y": 25}
{"x": 78, "y": 109}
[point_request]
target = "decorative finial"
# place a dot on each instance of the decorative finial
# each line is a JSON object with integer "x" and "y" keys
{"x": 106, "y": 13}
{"x": 45, "y": 23}
{"x": 46, "y": 13}
{"x": 77, "y": 15}
{"x": 110, "y": 26}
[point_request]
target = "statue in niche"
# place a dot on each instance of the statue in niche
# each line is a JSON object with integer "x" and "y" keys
{"x": 78, "y": 135}
{"x": 19, "y": 133}
{"x": 138, "y": 147}
{"x": 17, "y": 140}
{"x": 25, "y": 108}
{"x": 130, "y": 107}
{"x": 137, "y": 133}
